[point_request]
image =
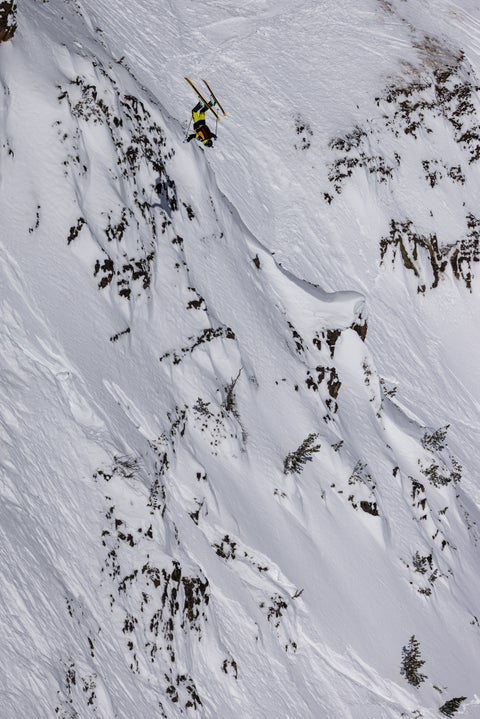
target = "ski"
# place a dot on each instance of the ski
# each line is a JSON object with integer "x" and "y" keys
{"x": 205, "y": 102}
{"x": 214, "y": 97}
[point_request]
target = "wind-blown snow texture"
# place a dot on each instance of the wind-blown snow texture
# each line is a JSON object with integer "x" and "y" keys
{"x": 240, "y": 389}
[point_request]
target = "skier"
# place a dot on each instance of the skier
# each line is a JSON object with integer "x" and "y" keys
{"x": 202, "y": 132}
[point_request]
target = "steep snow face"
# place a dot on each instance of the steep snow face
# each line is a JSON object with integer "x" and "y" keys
{"x": 213, "y": 504}
{"x": 350, "y": 142}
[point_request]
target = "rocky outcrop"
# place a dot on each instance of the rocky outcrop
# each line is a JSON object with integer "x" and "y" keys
{"x": 8, "y": 19}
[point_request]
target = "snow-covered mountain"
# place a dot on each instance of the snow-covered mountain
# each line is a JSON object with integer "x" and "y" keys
{"x": 239, "y": 415}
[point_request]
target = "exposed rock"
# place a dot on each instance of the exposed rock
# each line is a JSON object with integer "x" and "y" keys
{"x": 8, "y": 19}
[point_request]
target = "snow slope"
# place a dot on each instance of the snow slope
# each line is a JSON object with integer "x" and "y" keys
{"x": 215, "y": 500}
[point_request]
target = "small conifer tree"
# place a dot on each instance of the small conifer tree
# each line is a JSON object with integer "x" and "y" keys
{"x": 295, "y": 461}
{"x": 451, "y": 707}
{"x": 412, "y": 662}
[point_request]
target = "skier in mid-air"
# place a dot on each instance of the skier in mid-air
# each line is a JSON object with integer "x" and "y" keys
{"x": 202, "y": 132}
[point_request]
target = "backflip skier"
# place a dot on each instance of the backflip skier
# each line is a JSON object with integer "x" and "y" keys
{"x": 202, "y": 132}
